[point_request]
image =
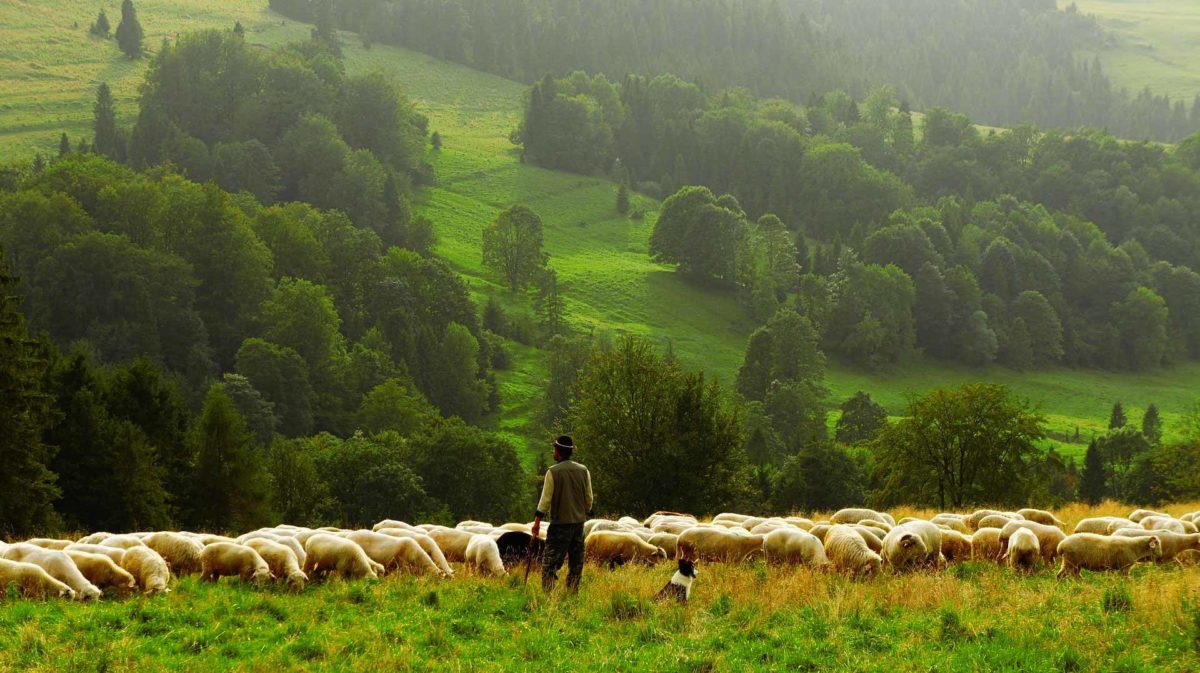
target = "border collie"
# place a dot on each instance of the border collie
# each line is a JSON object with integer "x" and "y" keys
{"x": 680, "y": 586}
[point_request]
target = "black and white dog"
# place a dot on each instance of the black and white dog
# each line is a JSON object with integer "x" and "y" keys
{"x": 680, "y": 586}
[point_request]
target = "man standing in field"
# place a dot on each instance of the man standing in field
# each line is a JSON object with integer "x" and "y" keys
{"x": 567, "y": 502}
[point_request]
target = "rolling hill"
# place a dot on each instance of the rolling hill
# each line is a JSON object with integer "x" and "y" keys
{"x": 608, "y": 282}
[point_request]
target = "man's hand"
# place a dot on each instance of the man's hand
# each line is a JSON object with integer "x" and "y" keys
{"x": 537, "y": 526}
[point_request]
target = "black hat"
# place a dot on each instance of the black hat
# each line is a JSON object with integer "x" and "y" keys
{"x": 564, "y": 444}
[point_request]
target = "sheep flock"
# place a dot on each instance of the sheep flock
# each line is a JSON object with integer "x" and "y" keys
{"x": 856, "y": 542}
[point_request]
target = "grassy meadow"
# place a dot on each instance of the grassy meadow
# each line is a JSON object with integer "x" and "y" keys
{"x": 1156, "y": 44}
{"x": 969, "y": 617}
{"x": 49, "y": 68}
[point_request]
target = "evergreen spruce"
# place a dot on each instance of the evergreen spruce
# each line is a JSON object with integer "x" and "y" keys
{"x": 129, "y": 31}
{"x": 1152, "y": 424}
{"x": 64, "y": 145}
{"x": 101, "y": 28}
{"x": 238, "y": 29}
{"x": 623, "y": 199}
{"x": 1092, "y": 482}
{"x": 435, "y": 139}
{"x": 1116, "y": 419}
{"x": 27, "y": 486}
{"x": 104, "y": 125}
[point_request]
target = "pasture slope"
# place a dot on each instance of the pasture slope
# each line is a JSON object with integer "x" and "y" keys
{"x": 970, "y": 617}
{"x": 1155, "y": 44}
{"x": 51, "y": 67}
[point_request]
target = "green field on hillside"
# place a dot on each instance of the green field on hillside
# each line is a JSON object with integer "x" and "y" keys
{"x": 1156, "y": 44}
{"x": 609, "y": 284}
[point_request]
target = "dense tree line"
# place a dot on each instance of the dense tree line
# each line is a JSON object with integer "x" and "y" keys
{"x": 195, "y": 337}
{"x": 1020, "y": 247}
{"x": 1003, "y": 62}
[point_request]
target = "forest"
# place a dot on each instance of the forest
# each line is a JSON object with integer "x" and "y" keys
{"x": 1022, "y": 247}
{"x": 1003, "y": 62}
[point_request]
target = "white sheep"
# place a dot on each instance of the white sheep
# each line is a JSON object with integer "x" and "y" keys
{"x": 117, "y": 555}
{"x": 102, "y": 571}
{"x": 716, "y": 544}
{"x": 58, "y": 565}
{"x": 1155, "y": 522}
{"x": 230, "y": 559}
{"x": 1041, "y": 516}
{"x": 1096, "y": 524}
{"x": 956, "y": 546}
{"x": 916, "y": 543}
{"x": 427, "y": 543}
{"x": 1097, "y": 552}
{"x": 149, "y": 568}
{"x": 1023, "y": 550}
{"x": 344, "y": 558}
{"x": 1048, "y": 536}
{"x": 122, "y": 541}
{"x": 1172, "y": 543}
{"x": 452, "y": 541}
{"x": 858, "y": 515}
{"x": 483, "y": 556}
{"x": 32, "y": 580}
{"x": 619, "y": 547}
{"x": 849, "y": 553}
{"x": 794, "y": 546}
{"x": 182, "y": 553}
{"x": 280, "y": 559}
{"x": 395, "y": 553}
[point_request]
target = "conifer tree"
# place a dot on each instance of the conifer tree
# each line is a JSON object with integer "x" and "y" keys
{"x": 27, "y": 486}
{"x": 100, "y": 27}
{"x": 1092, "y": 482}
{"x": 623, "y": 199}
{"x": 1152, "y": 424}
{"x": 129, "y": 31}
{"x": 64, "y": 145}
{"x": 1116, "y": 419}
{"x": 238, "y": 29}
{"x": 104, "y": 124}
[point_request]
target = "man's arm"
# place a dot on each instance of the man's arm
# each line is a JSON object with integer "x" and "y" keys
{"x": 543, "y": 507}
{"x": 590, "y": 497}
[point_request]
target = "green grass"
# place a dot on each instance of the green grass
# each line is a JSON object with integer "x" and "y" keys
{"x": 1158, "y": 44}
{"x": 968, "y": 618}
{"x": 50, "y": 66}
{"x": 608, "y": 282}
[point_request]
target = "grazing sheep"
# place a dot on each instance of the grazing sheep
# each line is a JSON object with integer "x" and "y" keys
{"x": 122, "y": 542}
{"x": 1190, "y": 527}
{"x": 820, "y": 531}
{"x": 848, "y": 552}
{"x": 453, "y": 542}
{"x": 182, "y": 553}
{"x": 672, "y": 526}
{"x": 1023, "y": 551}
{"x": 618, "y": 548}
{"x": 462, "y": 525}
{"x": 1190, "y": 517}
{"x": 102, "y": 571}
{"x": 669, "y": 543}
{"x": 956, "y": 546}
{"x": 1137, "y": 515}
{"x": 1121, "y": 524}
{"x": 1048, "y": 536}
{"x": 49, "y": 543}
{"x": 149, "y": 568}
{"x": 516, "y": 527}
{"x": 286, "y": 540}
{"x": 58, "y": 565}
{"x": 1162, "y": 523}
{"x": 872, "y": 536}
{"x": 394, "y": 553}
{"x": 770, "y": 525}
{"x": 592, "y": 525}
{"x": 281, "y": 560}
{"x": 344, "y": 558}
{"x": 794, "y": 546}
{"x": 117, "y": 555}
{"x": 426, "y": 543}
{"x": 630, "y": 521}
{"x": 916, "y": 543}
{"x": 730, "y": 516}
{"x": 994, "y": 521}
{"x": 1096, "y": 552}
{"x": 210, "y": 538}
{"x": 94, "y": 538}
{"x": 32, "y": 580}
{"x": 871, "y": 523}
{"x": 972, "y": 520}
{"x": 230, "y": 559}
{"x": 858, "y": 515}
{"x": 391, "y": 523}
{"x": 985, "y": 545}
{"x": 1041, "y": 516}
{"x": 800, "y": 522}
{"x": 952, "y": 521}
{"x": 715, "y": 544}
{"x": 1173, "y": 543}
{"x": 1096, "y": 524}
{"x": 664, "y": 514}
{"x": 483, "y": 556}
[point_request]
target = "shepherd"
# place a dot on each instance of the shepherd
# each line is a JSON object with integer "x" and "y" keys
{"x": 567, "y": 502}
